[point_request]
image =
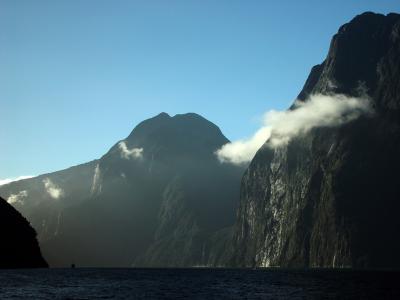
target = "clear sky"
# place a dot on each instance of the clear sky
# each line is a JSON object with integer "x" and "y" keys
{"x": 77, "y": 75}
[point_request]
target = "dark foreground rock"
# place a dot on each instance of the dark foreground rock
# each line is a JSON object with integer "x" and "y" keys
{"x": 19, "y": 247}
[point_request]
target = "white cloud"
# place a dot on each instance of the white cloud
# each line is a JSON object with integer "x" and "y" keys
{"x": 242, "y": 151}
{"x": 52, "y": 189}
{"x": 280, "y": 126}
{"x": 8, "y": 180}
{"x": 126, "y": 153}
{"x": 17, "y": 198}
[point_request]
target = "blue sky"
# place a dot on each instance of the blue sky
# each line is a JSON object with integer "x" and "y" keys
{"x": 77, "y": 76}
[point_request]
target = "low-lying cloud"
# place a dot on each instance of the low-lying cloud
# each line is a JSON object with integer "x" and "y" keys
{"x": 17, "y": 198}
{"x": 279, "y": 127}
{"x": 135, "y": 153}
{"x": 52, "y": 189}
{"x": 8, "y": 180}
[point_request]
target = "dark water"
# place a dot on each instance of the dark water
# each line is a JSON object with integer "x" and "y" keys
{"x": 197, "y": 284}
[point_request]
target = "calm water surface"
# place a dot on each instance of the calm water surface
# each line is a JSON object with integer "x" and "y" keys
{"x": 197, "y": 284}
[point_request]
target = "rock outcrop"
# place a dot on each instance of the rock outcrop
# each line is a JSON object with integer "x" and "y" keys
{"x": 19, "y": 247}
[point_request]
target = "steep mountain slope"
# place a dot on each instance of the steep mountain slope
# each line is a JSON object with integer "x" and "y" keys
{"x": 41, "y": 199}
{"x": 331, "y": 197}
{"x": 19, "y": 247}
{"x": 157, "y": 198}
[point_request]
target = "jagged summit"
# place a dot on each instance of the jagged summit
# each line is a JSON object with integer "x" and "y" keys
{"x": 356, "y": 56}
{"x": 369, "y": 19}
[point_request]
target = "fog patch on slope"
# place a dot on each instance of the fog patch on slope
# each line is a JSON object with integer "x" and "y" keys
{"x": 52, "y": 189}
{"x": 135, "y": 153}
{"x": 279, "y": 127}
{"x": 17, "y": 198}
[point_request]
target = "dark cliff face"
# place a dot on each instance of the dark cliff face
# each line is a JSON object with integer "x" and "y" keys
{"x": 157, "y": 198}
{"x": 19, "y": 247}
{"x": 330, "y": 198}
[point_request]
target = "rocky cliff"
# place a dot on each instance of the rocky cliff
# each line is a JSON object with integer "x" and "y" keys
{"x": 19, "y": 247}
{"x": 331, "y": 197}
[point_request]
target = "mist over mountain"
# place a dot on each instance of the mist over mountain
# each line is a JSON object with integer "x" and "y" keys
{"x": 329, "y": 196}
{"x": 19, "y": 246}
{"x": 160, "y": 197}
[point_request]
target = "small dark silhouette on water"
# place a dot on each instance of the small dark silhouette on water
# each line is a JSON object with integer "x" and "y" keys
{"x": 72, "y": 266}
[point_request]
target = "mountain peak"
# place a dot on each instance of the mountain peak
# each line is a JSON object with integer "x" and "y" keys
{"x": 354, "y": 60}
{"x": 163, "y": 115}
{"x": 182, "y": 131}
{"x": 188, "y": 115}
{"x": 185, "y": 116}
{"x": 369, "y": 21}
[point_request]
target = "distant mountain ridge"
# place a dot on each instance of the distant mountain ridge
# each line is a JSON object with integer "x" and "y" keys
{"x": 160, "y": 197}
{"x": 330, "y": 198}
